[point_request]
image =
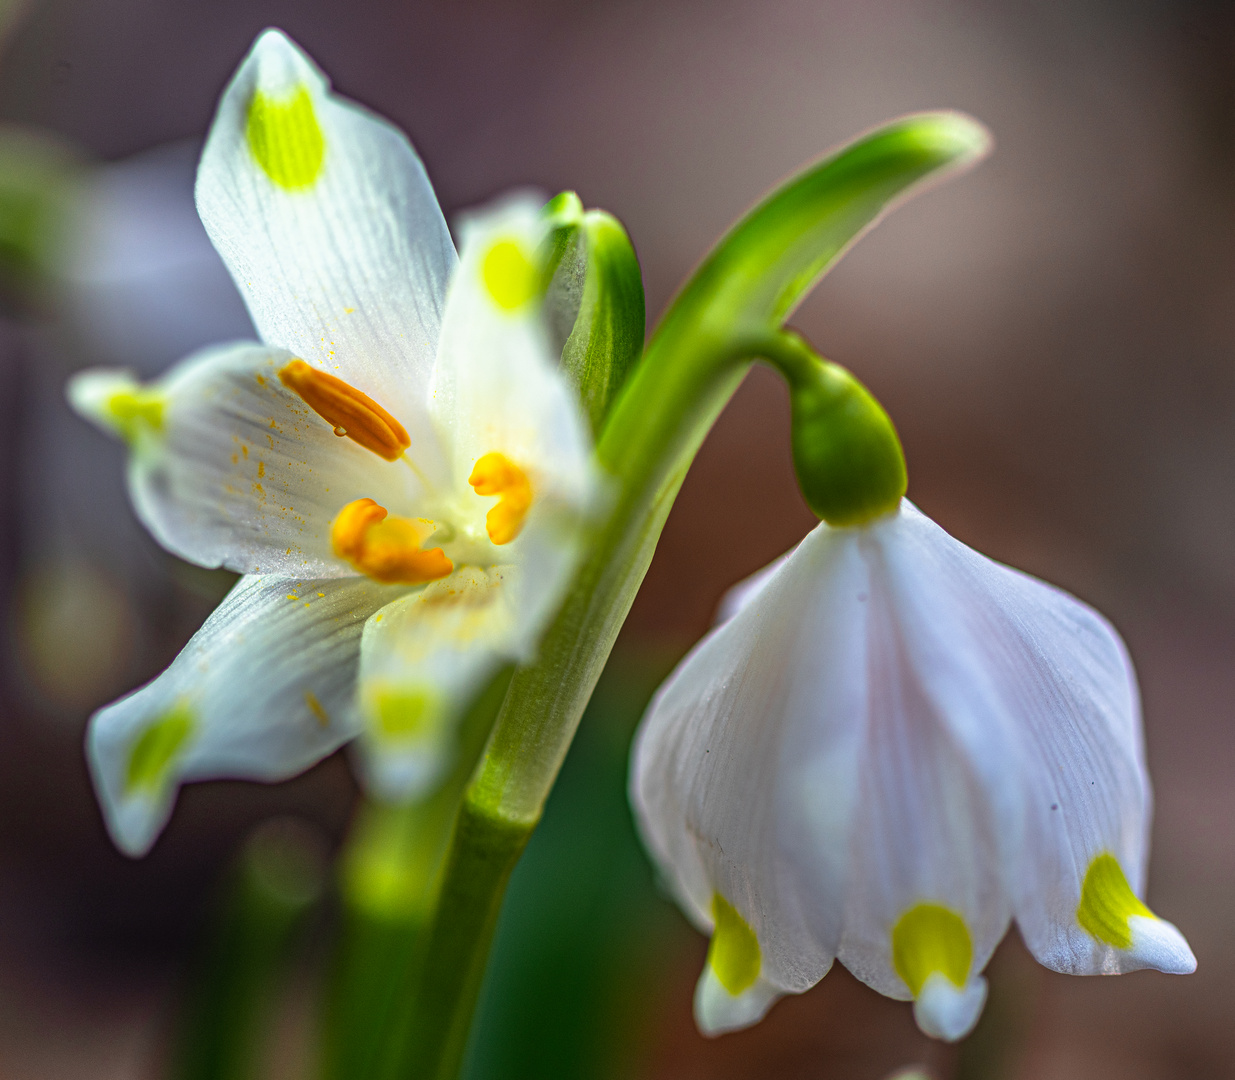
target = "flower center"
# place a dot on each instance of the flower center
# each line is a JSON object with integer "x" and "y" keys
{"x": 346, "y": 409}
{"x": 496, "y": 474}
{"x": 386, "y": 548}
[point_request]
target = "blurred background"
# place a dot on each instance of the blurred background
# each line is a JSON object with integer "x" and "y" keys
{"x": 1054, "y": 335}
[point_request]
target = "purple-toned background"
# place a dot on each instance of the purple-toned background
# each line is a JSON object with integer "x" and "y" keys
{"x": 1054, "y": 336}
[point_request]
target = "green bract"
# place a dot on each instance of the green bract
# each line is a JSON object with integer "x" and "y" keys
{"x": 596, "y": 301}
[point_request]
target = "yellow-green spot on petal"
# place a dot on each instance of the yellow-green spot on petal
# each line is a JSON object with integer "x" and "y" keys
{"x": 134, "y": 411}
{"x": 930, "y": 938}
{"x": 734, "y": 952}
{"x": 1106, "y": 902}
{"x": 155, "y": 750}
{"x": 509, "y": 275}
{"x": 286, "y": 139}
{"x": 405, "y": 714}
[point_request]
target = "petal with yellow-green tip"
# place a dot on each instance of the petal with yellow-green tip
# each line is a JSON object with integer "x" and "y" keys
{"x": 232, "y": 468}
{"x": 326, "y": 219}
{"x": 263, "y": 690}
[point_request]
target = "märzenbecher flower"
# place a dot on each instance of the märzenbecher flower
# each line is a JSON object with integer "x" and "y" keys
{"x": 890, "y": 748}
{"x": 399, "y": 468}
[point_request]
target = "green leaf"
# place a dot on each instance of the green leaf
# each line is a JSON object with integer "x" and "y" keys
{"x": 595, "y": 300}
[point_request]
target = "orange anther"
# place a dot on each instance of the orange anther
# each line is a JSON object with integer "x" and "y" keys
{"x": 384, "y": 548}
{"x": 496, "y": 474}
{"x": 346, "y": 409}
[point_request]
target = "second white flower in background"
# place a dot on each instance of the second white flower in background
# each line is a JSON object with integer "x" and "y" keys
{"x": 891, "y": 748}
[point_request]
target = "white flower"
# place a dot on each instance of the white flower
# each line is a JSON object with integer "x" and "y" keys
{"x": 399, "y": 467}
{"x": 891, "y": 748}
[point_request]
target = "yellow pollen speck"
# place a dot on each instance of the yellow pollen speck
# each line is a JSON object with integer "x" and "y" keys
{"x": 315, "y": 707}
{"x": 496, "y": 474}
{"x": 931, "y": 938}
{"x": 348, "y": 310}
{"x": 346, "y": 409}
{"x": 261, "y": 467}
{"x": 1107, "y": 900}
{"x": 734, "y": 950}
{"x": 509, "y": 275}
{"x": 385, "y": 548}
{"x": 155, "y": 750}
{"x": 286, "y": 139}
{"x": 322, "y": 594}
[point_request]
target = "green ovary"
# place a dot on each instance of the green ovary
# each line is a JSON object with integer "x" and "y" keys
{"x": 930, "y": 938}
{"x": 156, "y": 749}
{"x": 286, "y": 139}
{"x": 734, "y": 952}
{"x": 1106, "y": 902}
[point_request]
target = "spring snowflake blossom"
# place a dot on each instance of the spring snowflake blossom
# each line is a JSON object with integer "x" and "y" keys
{"x": 889, "y": 748}
{"x": 399, "y": 469}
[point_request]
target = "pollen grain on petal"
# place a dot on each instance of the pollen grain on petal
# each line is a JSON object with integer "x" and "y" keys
{"x": 1107, "y": 901}
{"x": 348, "y": 410}
{"x": 496, "y": 474}
{"x": 930, "y": 938}
{"x": 386, "y": 548}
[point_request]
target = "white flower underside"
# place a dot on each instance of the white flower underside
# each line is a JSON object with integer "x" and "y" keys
{"x": 326, "y": 220}
{"x": 889, "y": 723}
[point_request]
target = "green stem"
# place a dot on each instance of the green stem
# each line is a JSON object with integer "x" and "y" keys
{"x": 695, "y": 360}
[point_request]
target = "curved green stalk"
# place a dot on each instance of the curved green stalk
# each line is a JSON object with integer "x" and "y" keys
{"x": 696, "y": 358}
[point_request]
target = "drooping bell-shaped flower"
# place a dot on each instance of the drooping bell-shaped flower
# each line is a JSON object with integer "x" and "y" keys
{"x": 399, "y": 467}
{"x": 889, "y": 748}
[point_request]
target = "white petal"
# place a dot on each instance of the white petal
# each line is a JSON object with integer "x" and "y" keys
{"x": 337, "y": 242}
{"x": 424, "y": 658}
{"x": 1158, "y": 944}
{"x": 264, "y": 689}
{"x": 238, "y": 471}
{"x": 718, "y": 1011}
{"x": 745, "y": 591}
{"x": 1056, "y": 676}
{"x": 496, "y": 385}
{"x": 946, "y": 1011}
{"x": 743, "y": 769}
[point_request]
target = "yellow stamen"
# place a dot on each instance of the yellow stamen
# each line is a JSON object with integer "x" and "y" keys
{"x": 930, "y": 938}
{"x": 1107, "y": 900}
{"x": 384, "y": 548}
{"x": 496, "y": 474}
{"x": 346, "y": 409}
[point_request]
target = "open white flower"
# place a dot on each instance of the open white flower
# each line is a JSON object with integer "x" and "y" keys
{"x": 398, "y": 467}
{"x": 891, "y": 748}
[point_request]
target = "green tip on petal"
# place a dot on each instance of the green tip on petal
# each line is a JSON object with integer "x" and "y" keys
{"x": 734, "y": 953}
{"x": 930, "y": 938}
{"x": 286, "y": 139}
{"x": 156, "y": 749}
{"x": 1107, "y": 900}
